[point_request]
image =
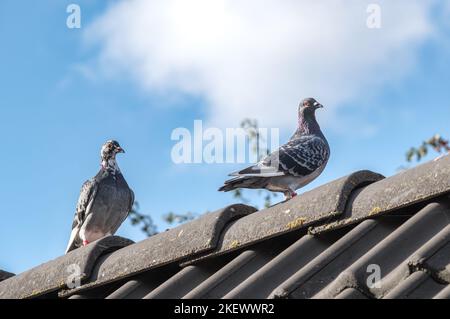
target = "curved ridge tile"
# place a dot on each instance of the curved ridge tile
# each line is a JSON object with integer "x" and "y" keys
{"x": 56, "y": 273}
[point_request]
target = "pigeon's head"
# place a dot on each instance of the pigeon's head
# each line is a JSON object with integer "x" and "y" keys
{"x": 110, "y": 149}
{"x": 309, "y": 106}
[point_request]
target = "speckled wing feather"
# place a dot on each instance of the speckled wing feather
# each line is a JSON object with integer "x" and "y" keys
{"x": 87, "y": 195}
{"x": 303, "y": 155}
{"x": 299, "y": 157}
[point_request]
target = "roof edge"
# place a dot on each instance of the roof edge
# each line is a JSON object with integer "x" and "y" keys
{"x": 71, "y": 268}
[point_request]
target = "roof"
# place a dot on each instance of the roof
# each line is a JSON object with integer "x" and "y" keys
{"x": 330, "y": 242}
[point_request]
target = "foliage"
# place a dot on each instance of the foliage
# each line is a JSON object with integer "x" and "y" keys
{"x": 142, "y": 220}
{"x": 436, "y": 142}
{"x": 256, "y": 140}
{"x": 172, "y": 218}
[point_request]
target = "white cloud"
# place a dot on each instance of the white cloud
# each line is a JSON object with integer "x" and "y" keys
{"x": 256, "y": 58}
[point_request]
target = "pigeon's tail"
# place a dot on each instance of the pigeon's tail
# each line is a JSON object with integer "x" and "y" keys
{"x": 73, "y": 240}
{"x": 243, "y": 182}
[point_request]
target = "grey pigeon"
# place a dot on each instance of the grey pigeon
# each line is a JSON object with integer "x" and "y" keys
{"x": 294, "y": 164}
{"x": 104, "y": 202}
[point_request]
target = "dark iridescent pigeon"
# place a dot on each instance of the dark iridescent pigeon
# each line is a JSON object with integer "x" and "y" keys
{"x": 104, "y": 201}
{"x": 294, "y": 164}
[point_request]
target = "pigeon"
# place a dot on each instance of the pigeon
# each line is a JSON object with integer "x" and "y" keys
{"x": 104, "y": 202}
{"x": 293, "y": 165}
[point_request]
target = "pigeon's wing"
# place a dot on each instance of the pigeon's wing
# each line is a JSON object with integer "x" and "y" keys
{"x": 299, "y": 157}
{"x": 87, "y": 195}
{"x": 302, "y": 156}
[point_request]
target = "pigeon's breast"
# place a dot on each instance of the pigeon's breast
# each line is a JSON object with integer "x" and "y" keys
{"x": 110, "y": 206}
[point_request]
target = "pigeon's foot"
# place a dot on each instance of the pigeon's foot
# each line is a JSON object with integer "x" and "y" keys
{"x": 85, "y": 242}
{"x": 289, "y": 194}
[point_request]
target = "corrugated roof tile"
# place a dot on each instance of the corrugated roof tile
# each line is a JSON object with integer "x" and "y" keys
{"x": 325, "y": 268}
{"x": 419, "y": 285}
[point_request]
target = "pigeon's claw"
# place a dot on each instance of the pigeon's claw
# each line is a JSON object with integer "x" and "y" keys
{"x": 289, "y": 194}
{"x": 85, "y": 242}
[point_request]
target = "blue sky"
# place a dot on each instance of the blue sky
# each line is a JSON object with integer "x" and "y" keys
{"x": 63, "y": 92}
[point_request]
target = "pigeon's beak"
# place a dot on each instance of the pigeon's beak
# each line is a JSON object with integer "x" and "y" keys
{"x": 120, "y": 150}
{"x": 318, "y": 105}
